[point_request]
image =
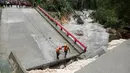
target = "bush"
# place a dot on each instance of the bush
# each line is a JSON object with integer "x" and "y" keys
{"x": 113, "y": 13}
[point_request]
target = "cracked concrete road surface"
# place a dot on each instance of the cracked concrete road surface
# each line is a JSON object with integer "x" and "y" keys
{"x": 114, "y": 61}
{"x": 25, "y": 32}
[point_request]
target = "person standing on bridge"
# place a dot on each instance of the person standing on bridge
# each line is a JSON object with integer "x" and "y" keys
{"x": 58, "y": 52}
{"x": 66, "y": 48}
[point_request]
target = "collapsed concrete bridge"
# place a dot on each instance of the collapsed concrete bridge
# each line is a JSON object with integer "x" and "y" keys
{"x": 33, "y": 36}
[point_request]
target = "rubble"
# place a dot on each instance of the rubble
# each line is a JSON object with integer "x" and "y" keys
{"x": 73, "y": 67}
{"x": 114, "y": 44}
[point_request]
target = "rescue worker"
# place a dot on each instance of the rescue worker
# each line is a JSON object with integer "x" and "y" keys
{"x": 66, "y": 48}
{"x": 58, "y": 52}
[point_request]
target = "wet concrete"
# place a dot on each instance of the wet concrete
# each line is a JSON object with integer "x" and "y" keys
{"x": 30, "y": 36}
{"x": 114, "y": 61}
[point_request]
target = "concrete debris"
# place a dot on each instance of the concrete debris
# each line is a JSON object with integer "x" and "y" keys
{"x": 98, "y": 52}
{"x": 73, "y": 67}
{"x": 115, "y": 43}
{"x": 62, "y": 66}
{"x": 71, "y": 61}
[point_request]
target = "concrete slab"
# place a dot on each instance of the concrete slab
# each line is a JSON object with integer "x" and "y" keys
{"x": 115, "y": 61}
{"x": 5, "y": 67}
{"x": 30, "y": 36}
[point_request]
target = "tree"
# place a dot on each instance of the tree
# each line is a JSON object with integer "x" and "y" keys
{"x": 113, "y": 13}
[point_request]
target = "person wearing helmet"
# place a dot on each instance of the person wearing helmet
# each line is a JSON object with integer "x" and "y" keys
{"x": 66, "y": 48}
{"x": 58, "y": 52}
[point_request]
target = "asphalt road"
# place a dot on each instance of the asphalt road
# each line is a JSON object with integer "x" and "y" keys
{"x": 115, "y": 61}
{"x": 30, "y": 36}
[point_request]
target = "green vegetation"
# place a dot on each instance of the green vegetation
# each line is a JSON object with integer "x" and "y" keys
{"x": 110, "y": 13}
{"x": 113, "y": 13}
{"x": 61, "y": 6}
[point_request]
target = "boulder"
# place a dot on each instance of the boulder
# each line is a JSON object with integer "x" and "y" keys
{"x": 79, "y": 32}
{"x": 80, "y": 21}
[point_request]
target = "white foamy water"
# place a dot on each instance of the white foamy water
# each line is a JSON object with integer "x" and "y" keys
{"x": 94, "y": 35}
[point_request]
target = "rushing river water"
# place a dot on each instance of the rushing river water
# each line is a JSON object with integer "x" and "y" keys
{"x": 94, "y": 35}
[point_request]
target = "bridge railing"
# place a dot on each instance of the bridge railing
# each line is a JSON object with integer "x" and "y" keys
{"x": 63, "y": 29}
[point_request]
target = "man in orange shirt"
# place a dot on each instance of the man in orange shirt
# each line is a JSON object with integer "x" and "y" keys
{"x": 66, "y": 48}
{"x": 58, "y": 52}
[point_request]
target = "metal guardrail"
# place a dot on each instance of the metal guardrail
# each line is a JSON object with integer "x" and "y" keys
{"x": 15, "y": 64}
{"x": 64, "y": 30}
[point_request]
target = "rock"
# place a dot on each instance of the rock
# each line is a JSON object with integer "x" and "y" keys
{"x": 71, "y": 61}
{"x": 94, "y": 21}
{"x": 80, "y": 21}
{"x": 113, "y": 34}
{"x": 75, "y": 16}
{"x": 113, "y": 37}
{"x": 98, "y": 52}
{"x": 82, "y": 56}
{"x": 62, "y": 66}
{"x": 127, "y": 28}
{"x": 79, "y": 32}
{"x": 124, "y": 32}
{"x": 110, "y": 30}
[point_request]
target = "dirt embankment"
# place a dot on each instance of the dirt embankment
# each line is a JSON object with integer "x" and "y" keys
{"x": 123, "y": 33}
